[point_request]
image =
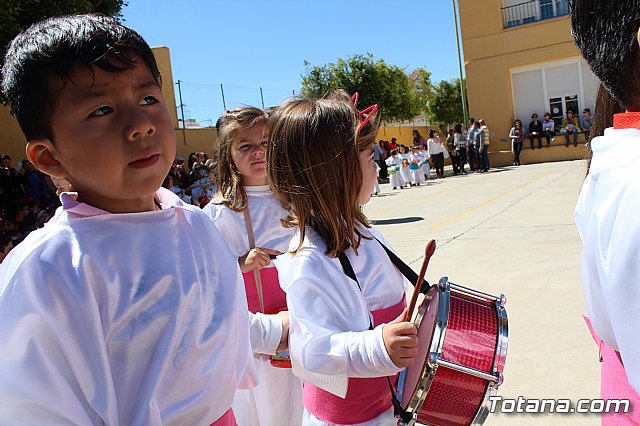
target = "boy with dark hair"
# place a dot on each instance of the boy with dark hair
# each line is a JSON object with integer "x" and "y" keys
{"x": 127, "y": 308}
{"x": 607, "y": 33}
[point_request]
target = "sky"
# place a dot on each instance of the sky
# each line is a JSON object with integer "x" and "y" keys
{"x": 247, "y": 45}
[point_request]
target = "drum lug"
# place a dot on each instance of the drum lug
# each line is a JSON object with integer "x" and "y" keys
{"x": 501, "y": 301}
{"x": 443, "y": 284}
{"x": 433, "y": 360}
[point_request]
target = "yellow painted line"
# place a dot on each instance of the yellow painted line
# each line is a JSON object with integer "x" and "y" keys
{"x": 497, "y": 197}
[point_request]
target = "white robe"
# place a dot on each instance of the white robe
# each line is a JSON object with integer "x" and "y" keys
{"x": 416, "y": 175}
{"x": 396, "y": 180}
{"x": 122, "y": 319}
{"x": 609, "y": 225}
{"x": 406, "y": 173}
{"x": 329, "y": 339}
{"x": 277, "y": 399}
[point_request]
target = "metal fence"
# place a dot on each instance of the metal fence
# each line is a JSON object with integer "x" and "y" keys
{"x": 533, "y": 11}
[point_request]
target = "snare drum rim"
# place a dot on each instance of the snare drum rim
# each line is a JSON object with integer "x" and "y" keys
{"x": 437, "y": 342}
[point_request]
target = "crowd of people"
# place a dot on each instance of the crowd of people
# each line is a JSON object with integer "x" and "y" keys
{"x": 410, "y": 165}
{"x": 27, "y": 202}
{"x": 570, "y": 126}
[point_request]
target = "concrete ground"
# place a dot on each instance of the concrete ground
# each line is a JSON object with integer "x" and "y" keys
{"x": 509, "y": 231}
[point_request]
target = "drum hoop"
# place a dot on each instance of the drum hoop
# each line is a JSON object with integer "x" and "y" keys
{"x": 437, "y": 342}
{"x": 483, "y": 410}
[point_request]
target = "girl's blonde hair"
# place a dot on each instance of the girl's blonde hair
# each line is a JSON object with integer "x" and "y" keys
{"x": 228, "y": 179}
{"x": 314, "y": 167}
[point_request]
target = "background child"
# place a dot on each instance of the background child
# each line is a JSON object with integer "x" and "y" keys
{"x": 115, "y": 312}
{"x": 607, "y": 209}
{"x": 321, "y": 165}
{"x": 404, "y": 154}
{"x": 415, "y": 165}
{"x": 395, "y": 165}
{"x": 244, "y": 194}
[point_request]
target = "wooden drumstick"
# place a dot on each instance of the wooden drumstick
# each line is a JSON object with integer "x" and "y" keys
{"x": 428, "y": 252}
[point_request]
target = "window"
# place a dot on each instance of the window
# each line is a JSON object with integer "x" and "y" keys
{"x": 558, "y": 106}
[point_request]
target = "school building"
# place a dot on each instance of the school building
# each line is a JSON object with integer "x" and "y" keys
{"x": 520, "y": 58}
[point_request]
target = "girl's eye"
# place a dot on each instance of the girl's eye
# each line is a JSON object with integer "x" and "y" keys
{"x": 243, "y": 147}
{"x": 101, "y": 111}
{"x": 148, "y": 100}
{"x": 264, "y": 143}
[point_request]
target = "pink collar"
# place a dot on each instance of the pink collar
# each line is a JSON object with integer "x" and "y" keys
{"x": 626, "y": 120}
{"x": 166, "y": 198}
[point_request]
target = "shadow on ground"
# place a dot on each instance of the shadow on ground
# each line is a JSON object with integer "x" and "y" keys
{"x": 397, "y": 220}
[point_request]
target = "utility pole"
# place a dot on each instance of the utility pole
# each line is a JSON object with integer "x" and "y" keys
{"x": 262, "y": 98}
{"x": 224, "y": 104}
{"x": 463, "y": 95}
{"x": 184, "y": 124}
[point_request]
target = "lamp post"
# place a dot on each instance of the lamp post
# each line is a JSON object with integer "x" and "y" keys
{"x": 463, "y": 95}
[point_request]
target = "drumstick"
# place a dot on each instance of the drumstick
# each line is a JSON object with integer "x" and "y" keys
{"x": 428, "y": 252}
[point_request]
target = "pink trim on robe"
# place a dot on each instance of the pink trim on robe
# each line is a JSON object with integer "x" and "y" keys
{"x": 366, "y": 398}
{"x": 274, "y": 298}
{"x": 227, "y": 419}
{"x": 615, "y": 384}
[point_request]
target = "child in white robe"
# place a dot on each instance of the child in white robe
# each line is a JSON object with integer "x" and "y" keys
{"x": 394, "y": 163}
{"x": 344, "y": 355}
{"x": 243, "y": 188}
{"x": 115, "y": 312}
{"x": 415, "y": 165}
{"x": 405, "y": 170}
{"x": 426, "y": 166}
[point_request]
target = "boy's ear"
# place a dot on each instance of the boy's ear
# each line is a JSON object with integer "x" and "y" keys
{"x": 42, "y": 154}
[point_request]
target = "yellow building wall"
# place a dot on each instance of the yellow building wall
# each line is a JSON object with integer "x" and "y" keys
{"x": 490, "y": 52}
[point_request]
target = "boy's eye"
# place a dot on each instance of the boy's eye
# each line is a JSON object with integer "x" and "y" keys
{"x": 148, "y": 100}
{"x": 101, "y": 111}
{"x": 243, "y": 147}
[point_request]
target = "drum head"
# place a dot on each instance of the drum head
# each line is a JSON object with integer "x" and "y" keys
{"x": 425, "y": 321}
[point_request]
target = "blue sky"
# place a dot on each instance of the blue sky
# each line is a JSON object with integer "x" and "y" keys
{"x": 246, "y": 45}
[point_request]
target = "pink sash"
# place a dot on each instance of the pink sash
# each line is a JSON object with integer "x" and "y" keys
{"x": 274, "y": 298}
{"x": 227, "y": 419}
{"x": 366, "y": 398}
{"x": 615, "y": 384}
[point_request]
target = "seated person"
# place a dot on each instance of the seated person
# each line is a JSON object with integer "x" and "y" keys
{"x": 535, "y": 131}
{"x": 570, "y": 125}
{"x": 548, "y": 128}
{"x": 585, "y": 123}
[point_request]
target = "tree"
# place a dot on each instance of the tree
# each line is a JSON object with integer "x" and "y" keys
{"x": 377, "y": 83}
{"x": 421, "y": 79}
{"x": 447, "y": 103}
{"x": 17, "y": 15}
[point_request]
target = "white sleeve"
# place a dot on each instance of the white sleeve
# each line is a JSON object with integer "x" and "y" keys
{"x": 265, "y": 332}
{"x": 330, "y": 340}
{"x": 610, "y": 269}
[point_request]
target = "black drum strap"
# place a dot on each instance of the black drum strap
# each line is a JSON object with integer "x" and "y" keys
{"x": 397, "y": 405}
{"x": 405, "y": 269}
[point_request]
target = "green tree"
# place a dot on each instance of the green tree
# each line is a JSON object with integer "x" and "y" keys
{"x": 446, "y": 107}
{"x": 376, "y": 81}
{"x": 421, "y": 79}
{"x": 17, "y": 15}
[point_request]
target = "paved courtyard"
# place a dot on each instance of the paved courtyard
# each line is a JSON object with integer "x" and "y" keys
{"x": 509, "y": 231}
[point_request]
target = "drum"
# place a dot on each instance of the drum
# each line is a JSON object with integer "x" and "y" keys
{"x": 463, "y": 336}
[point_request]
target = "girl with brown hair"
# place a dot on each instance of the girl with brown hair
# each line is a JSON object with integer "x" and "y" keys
{"x": 248, "y": 217}
{"x": 341, "y": 285}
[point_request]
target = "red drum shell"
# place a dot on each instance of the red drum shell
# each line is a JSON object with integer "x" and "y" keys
{"x": 464, "y": 331}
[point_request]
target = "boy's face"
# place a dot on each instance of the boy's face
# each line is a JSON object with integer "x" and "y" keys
{"x": 113, "y": 137}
